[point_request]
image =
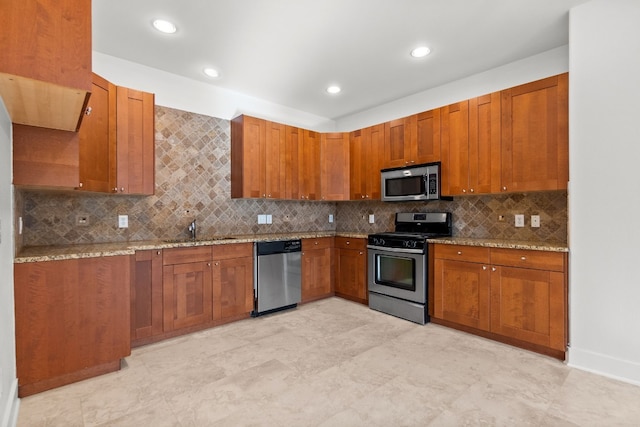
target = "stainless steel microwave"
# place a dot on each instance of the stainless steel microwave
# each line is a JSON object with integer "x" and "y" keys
{"x": 411, "y": 183}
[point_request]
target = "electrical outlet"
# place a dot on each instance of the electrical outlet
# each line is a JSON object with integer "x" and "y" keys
{"x": 519, "y": 220}
{"x": 535, "y": 221}
{"x": 82, "y": 220}
{"x": 20, "y": 225}
{"x": 372, "y": 218}
{"x": 501, "y": 218}
{"x": 330, "y": 217}
{"x": 123, "y": 221}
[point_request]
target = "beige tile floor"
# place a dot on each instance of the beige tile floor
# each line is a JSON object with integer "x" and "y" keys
{"x": 336, "y": 363}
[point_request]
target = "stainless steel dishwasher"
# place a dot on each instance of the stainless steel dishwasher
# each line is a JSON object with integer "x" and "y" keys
{"x": 277, "y": 276}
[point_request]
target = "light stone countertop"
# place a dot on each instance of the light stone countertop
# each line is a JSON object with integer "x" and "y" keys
{"x": 94, "y": 250}
{"x": 501, "y": 243}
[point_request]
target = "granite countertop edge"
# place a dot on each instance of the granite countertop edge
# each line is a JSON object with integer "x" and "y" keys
{"x": 501, "y": 243}
{"x": 95, "y": 250}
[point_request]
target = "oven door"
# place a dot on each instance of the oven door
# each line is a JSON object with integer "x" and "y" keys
{"x": 399, "y": 273}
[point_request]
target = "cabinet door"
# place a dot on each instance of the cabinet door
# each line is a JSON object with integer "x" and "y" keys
{"x": 334, "y": 166}
{"x": 455, "y": 149}
{"x": 461, "y": 293}
{"x": 535, "y": 136}
{"x": 187, "y": 295}
{"x": 232, "y": 287}
{"x": 351, "y": 274}
{"x": 97, "y": 137}
{"x": 136, "y": 142}
{"x": 399, "y": 142}
{"x": 70, "y": 315}
{"x": 275, "y": 161}
{"x": 484, "y": 144}
{"x": 309, "y": 172}
{"x": 365, "y": 161}
{"x": 428, "y": 137}
{"x": 529, "y": 305}
{"x": 292, "y": 162}
{"x": 248, "y": 145}
{"x": 146, "y": 295}
{"x": 317, "y": 269}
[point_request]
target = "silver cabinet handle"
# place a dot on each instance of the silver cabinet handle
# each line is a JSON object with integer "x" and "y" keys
{"x": 493, "y": 269}
{"x": 471, "y": 191}
{"x": 504, "y": 188}
{"x": 158, "y": 253}
{"x": 459, "y": 252}
{"x": 484, "y": 267}
{"x": 523, "y": 258}
{"x": 348, "y": 242}
{"x": 464, "y": 191}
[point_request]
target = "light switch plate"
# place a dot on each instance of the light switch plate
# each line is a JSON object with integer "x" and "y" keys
{"x": 123, "y": 221}
{"x": 535, "y": 221}
{"x": 372, "y": 218}
{"x": 262, "y": 219}
{"x": 269, "y": 219}
{"x": 330, "y": 217}
{"x": 519, "y": 220}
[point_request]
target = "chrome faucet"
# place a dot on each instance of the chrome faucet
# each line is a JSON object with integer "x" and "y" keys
{"x": 192, "y": 229}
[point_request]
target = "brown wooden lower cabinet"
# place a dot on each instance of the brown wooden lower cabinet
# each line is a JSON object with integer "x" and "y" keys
{"x": 146, "y": 295}
{"x": 72, "y": 320}
{"x": 232, "y": 280}
{"x": 180, "y": 290}
{"x": 515, "y": 296}
{"x": 317, "y": 268}
{"x": 351, "y": 269}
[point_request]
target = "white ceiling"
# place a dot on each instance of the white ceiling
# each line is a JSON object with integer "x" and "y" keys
{"x": 288, "y": 51}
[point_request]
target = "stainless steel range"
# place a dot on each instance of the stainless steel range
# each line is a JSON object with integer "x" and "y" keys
{"x": 397, "y": 264}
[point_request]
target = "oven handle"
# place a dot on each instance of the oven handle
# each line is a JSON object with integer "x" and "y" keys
{"x": 396, "y": 250}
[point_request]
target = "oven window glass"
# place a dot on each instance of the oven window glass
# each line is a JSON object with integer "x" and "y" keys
{"x": 405, "y": 186}
{"x": 396, "y": 272}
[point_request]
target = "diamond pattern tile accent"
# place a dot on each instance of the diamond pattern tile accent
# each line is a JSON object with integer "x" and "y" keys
{"x": 193, "y": 173}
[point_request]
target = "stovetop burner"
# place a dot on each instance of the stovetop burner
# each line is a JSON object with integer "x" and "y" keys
{"x": 412, "y": 229}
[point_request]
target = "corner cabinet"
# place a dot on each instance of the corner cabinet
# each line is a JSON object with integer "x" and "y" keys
{"x": 515, "y": 296}
{"x": 317, "y": 268}
{"x": 72, "y": 320}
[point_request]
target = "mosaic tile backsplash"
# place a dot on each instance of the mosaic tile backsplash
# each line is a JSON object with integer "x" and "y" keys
{"x": 193, "y": 169}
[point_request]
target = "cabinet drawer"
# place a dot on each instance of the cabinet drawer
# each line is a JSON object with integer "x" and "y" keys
{"x": 462, "y": 253}
{"x": 319, "y": 243}
{"x": 230, "y": 251}
{"x": 541, "y": 260}
{"x": 351, "y": 243}
{"x": 186, "y": 255}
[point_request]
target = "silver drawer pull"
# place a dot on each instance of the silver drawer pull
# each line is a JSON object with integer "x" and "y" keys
{"x": 523, "y": 258}
{"x": 459, "y": 252}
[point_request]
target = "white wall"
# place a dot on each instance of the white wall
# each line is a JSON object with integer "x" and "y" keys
{"x": 604, "y": 195}
{"x": 8, "y": 382}
{"x": 191, "y": 95}
{"x": 536, "y": 67}
{"x": 185, "y": 94}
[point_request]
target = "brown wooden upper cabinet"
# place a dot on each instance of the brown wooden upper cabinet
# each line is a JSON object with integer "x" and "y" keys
{"x": 309, "y": 166}
{"x": 97, "y": 138}
{"x": 535, "y": 141}
{"x": 334, "y": 166}
{"x": 45, "y": 72}
{"x": 365, "y": 161}
{"x": 113, "y": 152}
{"x": 412, "y": 140}
{"x": 471, "y": 146}
{"x": 135, "y": 142}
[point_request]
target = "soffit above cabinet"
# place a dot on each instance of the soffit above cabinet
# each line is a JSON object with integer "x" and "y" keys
{"x": 43, "y": 104}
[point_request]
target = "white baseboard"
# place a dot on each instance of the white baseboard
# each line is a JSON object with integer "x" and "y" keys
{"x": 605, "y": 365}
{"x": 9, "y": 414}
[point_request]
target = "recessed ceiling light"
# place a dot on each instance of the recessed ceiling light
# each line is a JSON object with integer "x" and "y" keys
{"x": 164, "y": 26}
{"x": 333, "y": 89}
{"x": 420, "y": 52}
{"x": 211, "y": 72}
